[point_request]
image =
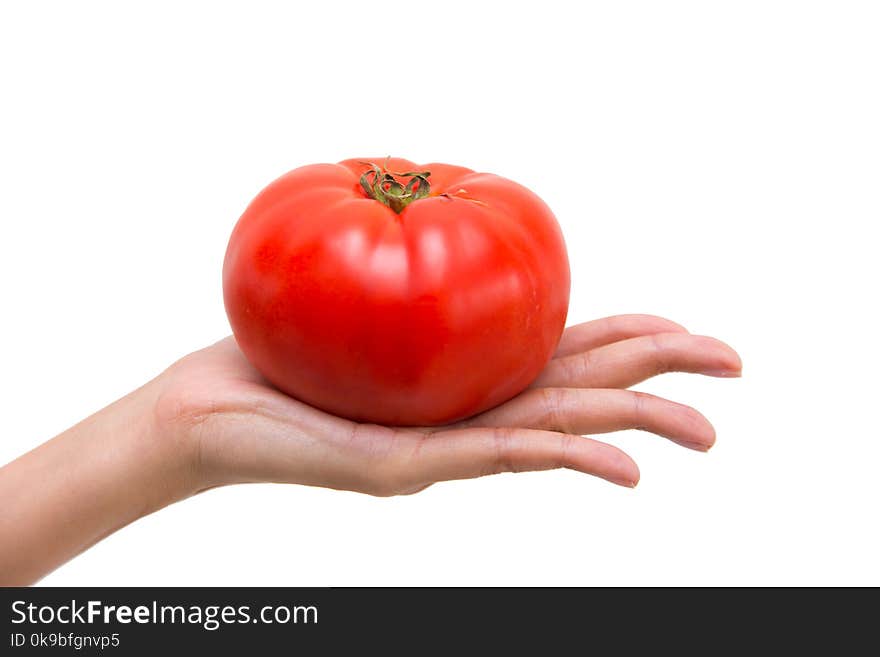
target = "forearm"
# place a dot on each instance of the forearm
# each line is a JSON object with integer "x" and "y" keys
{"x": 70, "y": 492}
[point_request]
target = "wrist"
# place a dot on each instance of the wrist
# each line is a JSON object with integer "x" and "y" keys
{"x": 98, "y": 476}
{"x": 162, "y": 448}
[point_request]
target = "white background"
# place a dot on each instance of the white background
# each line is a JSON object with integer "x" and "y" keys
{"x": 715, "y": 163}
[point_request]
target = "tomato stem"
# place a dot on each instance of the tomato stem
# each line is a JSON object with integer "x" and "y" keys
{"x": 383, "y": 186}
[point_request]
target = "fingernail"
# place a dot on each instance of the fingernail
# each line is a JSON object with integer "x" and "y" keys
{"x": 699, "y": 447}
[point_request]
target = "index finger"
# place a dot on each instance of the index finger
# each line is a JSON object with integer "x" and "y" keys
{"x": 599, "y": 332}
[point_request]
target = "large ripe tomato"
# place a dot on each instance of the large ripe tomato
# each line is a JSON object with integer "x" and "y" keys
{"x": 364, "y": 291}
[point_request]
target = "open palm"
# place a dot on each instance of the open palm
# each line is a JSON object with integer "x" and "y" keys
{"x": 241, "y": 429}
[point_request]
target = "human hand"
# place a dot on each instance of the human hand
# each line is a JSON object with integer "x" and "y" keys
{"x": 234, "y": 427}
{"x": 210, "y": 420}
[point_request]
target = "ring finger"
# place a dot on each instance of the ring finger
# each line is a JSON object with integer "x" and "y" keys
{"x": 579, "y": 411}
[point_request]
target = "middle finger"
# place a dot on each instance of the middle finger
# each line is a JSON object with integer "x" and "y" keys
{"x": 625, "y": 363}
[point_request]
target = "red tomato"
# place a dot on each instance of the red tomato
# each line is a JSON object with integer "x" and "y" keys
{"x": 378, "y": 297}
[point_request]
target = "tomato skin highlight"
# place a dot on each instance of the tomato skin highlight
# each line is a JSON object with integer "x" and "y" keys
{"x": 420, "y": 318}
